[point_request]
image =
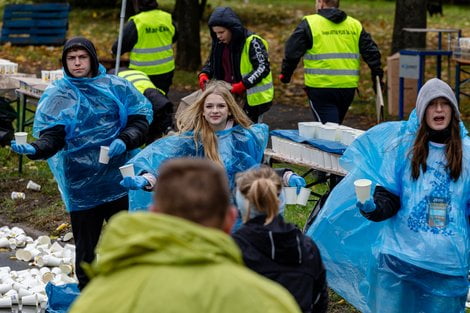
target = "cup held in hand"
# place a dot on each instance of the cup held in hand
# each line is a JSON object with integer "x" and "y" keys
{"x": 104, "y": 158}
{"x": 21, "y": 138}
{"x": 303, "y": 196}
{"x": 291, "y": 195}
{"x": 127, "y": 170}
{"x": 362, "y": 187}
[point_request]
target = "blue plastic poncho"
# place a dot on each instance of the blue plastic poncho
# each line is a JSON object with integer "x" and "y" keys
{"x": 382, "y": 266}
{"x": 239, "y": 149}
{"x": 93, "y": 111}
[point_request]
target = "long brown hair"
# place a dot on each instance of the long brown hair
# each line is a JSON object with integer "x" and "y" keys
{"x": 192, "y": 118}
{"x": 261, "y": 188}
{"x": 453, "y": 144}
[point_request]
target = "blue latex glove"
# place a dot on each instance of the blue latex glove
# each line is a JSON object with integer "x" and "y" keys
{"x": 366, "y": 207}
{"x": 134, "y": 183}
{"x": 117, "y": 147}
{"x": 296, "y": 181}
{"x": 22, "y": 149}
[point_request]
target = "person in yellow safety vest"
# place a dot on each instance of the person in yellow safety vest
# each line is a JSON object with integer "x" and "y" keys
{"x": 162, "y": 106}
{"x": 148, "y": 37}
{"x": 240, "y": 58}
{"x": 331, "y": 43}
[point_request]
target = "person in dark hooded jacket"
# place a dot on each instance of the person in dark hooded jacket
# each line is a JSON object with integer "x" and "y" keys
{"x": 240, "y": 58}
{"x": 331, "y": 43}
{"x": 148, "y": 37}
{"x": 275, "y": 249}
{"x": 161, "y": 105}
{"x": 76, "y": 115}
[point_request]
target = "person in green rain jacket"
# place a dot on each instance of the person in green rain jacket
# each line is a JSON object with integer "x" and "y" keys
{"x": 179, "y": 257}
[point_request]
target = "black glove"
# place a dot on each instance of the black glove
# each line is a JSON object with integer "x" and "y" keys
{"x": 374, "y": 81}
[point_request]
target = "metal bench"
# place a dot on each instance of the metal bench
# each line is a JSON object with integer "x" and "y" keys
{"x": 35, "y": 24}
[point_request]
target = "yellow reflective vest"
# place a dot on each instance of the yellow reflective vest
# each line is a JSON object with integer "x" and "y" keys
{"x": 262, "y": 92}
{"x": 153, "y": 52}
{"x": 139, "y": 79}
{"x": 333, "y": 61}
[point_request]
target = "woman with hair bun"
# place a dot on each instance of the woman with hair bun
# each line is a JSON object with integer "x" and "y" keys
{"x": 274, "y": 248}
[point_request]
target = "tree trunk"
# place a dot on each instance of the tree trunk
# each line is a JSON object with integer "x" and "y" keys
{"x": 188, "y": 53}
{"x": 411, "y": 14}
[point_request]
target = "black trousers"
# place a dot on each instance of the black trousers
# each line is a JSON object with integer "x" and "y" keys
{"x": 86, "y": 228}
{"x": 163, "y": 81}
{"x": 330, "y": 104}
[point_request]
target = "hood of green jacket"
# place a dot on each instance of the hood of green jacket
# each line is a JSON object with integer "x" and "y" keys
{"x": 160, "y": 239}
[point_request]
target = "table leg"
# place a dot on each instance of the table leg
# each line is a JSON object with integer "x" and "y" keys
{"x": 438, "y": 66}
{"x": 21, "y": 119}
{"x": 400, "y": 97}
{"x": 457, "y": 82}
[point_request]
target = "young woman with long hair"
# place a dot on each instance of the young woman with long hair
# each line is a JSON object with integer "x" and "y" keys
{"x": 213, "y": 127}
{"x": 417, "y": 258}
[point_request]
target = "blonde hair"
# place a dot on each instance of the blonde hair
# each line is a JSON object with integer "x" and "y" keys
{"x": 261, "y": 187}
{"x": 192, "y": 119}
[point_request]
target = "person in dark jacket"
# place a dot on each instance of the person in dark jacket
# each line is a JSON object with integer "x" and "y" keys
{"x": 161, "y": 105}
{"x": 276, "y": 249}
{"x": 331, "y": 43}
{"x": 148, "y": 37}
{"x": 240, "y": 58}
{"x": 76, "y": 115}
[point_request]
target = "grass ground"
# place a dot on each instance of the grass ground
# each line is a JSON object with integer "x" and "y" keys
{"x": 274, "y": 20}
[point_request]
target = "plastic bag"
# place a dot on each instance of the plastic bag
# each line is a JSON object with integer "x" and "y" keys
{"x": 60, "y": 297}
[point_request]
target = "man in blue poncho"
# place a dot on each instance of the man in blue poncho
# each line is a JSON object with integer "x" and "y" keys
{"x": 75, "y": 116}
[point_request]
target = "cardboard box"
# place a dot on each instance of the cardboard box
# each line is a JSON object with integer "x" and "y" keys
{"x": 393, "y": 87}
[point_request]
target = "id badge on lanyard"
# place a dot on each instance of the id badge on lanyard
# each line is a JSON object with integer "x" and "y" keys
{"x": 437, "y": 211}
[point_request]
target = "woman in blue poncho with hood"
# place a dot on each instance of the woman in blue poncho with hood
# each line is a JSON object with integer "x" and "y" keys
{"x": 213, "y": 127}
{"x": 75, "y": 116}
{"x": 410, "y": 253}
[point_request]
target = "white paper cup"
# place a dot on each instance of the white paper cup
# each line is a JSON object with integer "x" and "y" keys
{"x": 47, "y": 277}
{"x": 66, "y": 268}
{"x": 21, "y": 138}
{"x": 31, "y": 300}
{"x": 48, "y": 260}
{"x": 306, "y": 129}
{"x": 4, "y": 288}
{"x": 4, "y": 243}
{"x": 104, "y": 157}
{"x": 67, "y": 237}
{"x": 127, "y": 170}
{"x": 5, "y": 302}
{"x": 303, "y": 196}
{"x": 362, "y": 187}
{"x": 327, "y": 133}
{"x": 44, "y": 240}
{"x": 17, "y": 195}
{"x": 291, "y": 195}
{"x": 33, "y": 186}
{"x": 13, "y": 294}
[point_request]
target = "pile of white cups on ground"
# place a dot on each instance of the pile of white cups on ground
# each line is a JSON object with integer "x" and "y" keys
{"x": 50, "y": 262}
